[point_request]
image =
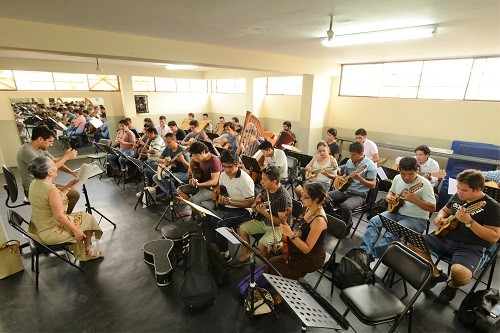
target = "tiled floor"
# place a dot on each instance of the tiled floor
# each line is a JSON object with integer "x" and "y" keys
{"x": 119, "y": 293}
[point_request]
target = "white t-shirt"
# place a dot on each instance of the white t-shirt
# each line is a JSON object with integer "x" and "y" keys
{"x": 370, "y": 148}
{"x": 278, "y": 160}
{"x": 239, "y": 188}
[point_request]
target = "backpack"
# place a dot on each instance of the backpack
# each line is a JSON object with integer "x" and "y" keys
{"x": 352, "y": 270}
{"x": 198, "y": 289}
{"x": 217, "y": 265}
{"x": 259, "y": 279}
{"x": 378, "y": 207}
{"x": 476, "y": 309}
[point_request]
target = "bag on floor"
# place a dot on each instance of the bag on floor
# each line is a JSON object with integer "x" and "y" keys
{"x": 378, "y": 207}
{"x": 10, "y": 259}
{"x": 259, "y": 279}
{"x": 479, "y": 311}
{"x": 352, "y": 270}
{"x": 198, "y": 289}
{"x": 217, "y": 265}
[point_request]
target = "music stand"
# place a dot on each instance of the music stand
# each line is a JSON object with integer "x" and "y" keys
{"x": 212, "y": 136}
{"x": 302, "y": 158}
{"x": 251, "y": 164}
{"x": 88, "y": 207}
{"x": 249, "y": 305}
{"x": 145, "y": 192}
{"x": 170, "y": 206}
{"x": 311, "y": 308}
{"x": 210, "y": 147}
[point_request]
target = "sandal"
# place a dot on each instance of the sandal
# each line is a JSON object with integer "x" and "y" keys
{"x": 93, "y": 254}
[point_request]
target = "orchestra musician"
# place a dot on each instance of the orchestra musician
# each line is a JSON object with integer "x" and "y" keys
{"x": 153, "y": 151}
{"x": 287, "y": 128}
{"x": 370, "y": 148}
{"x": 180, "y": 134}
{"x": 205, "y": 123}
{"x": 228, "y": 140}
{"x": 473, "y": 234}
{"x": 323, "y": 168}
{"x": 237, "y": 125}
{"x": 250, "y": 142}
{"x": 233, "y": 199}
{"x": 273, "y": 199}
{"x": 219, "y": 127}
{"x": 125, "y": 139}
{"x": 162, "y": 128}
{"x": 306, "y": 247}
{"x": 413, "y": 213}
{"x": 196, "y": 133}
{"x": 185, "y": 125}
{"x": 355, "y": 195}
{"x": 199, "y": 190}
{"x": 331, "y": 140}
{"x": 275, "y": 157}
{"x": 174, "y": 158}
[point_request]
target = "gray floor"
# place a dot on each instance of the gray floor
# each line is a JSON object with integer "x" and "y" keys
{"x": 119, "y": 293}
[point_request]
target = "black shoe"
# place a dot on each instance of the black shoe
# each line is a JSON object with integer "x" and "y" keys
{"x": 238, "y": 262}
{"x": 436, "y": 279}
{"x": 447, "y": 294}
{"x": 228, "y": 259}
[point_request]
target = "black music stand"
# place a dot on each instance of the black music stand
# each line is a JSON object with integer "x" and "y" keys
{"x": 145, "y": 192}
{"x": 311, "y": 308}
{"x": 251, "y": 164}
{"x": 407, "y": 236}
{"x": 212, "y": 136}
{"x": 88, "y": 207}
{"x": 210, "y": 147}
{"x": 174, "y": 214}
{"x": 302, "y": 158}
{"x": 116, "y": 152}
{"x": 249, "y": 305}
{"x": 391, "y": 173}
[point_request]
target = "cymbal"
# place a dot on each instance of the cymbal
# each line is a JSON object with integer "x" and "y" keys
{"x": 292, "y": 148}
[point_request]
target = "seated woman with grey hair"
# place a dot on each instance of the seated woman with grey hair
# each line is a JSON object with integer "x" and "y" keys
{"x": 49, "y": 221}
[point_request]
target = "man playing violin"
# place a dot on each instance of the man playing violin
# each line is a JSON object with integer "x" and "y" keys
{"x": 413, "y": 213}
{"x": 473, "y": 235}
{"x": 233, "y": 198}
{"x": 173, "y": 157}
{"x": 199, "y": 189}
{"x": 355, "y": 195}
{"x": 274, "y": 199}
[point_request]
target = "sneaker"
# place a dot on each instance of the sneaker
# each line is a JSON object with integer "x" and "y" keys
{"x": 26, "y": 200}
{"x": 228, "y": 259}
{"x": 436, "y": 279}
{"x": 238, "y": 262}
{"x": 447, "y": 294}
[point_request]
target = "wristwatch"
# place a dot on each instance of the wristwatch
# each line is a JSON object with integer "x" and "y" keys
{"x": 469, "y": 225}
{"x": 293, "y": 237}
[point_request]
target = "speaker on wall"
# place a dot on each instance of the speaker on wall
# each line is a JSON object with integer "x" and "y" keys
{"x": 141, "y": 104}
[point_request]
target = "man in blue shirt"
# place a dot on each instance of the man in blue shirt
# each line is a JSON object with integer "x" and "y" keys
{"x": 355, "y": 195}
{"x": 103, "y": 131}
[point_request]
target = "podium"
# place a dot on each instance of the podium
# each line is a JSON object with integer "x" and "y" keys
{"x": 311, "y": 308}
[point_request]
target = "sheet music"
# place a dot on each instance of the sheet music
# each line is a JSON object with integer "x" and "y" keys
{"x": 224, "y": 231}
{"x": 199, "y": 208}
{"x": 381, "y": 173}
{"x": 87, "y": 171}
{"x": 96, "y": 122}
{"x": 452, "y": 186}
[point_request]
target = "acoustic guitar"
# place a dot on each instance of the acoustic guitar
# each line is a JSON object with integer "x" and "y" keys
{"x": 194, "y": 172}
{"x": 341, "y": 183}
{"x": 220, "y": 191}
{"x": 450, "y": 223}
{"x": 398, "y": 198}
{"x": 491, "y": 184}
{"x": 159, "y": 171}
{"x": 438, "y": 174}
{"x": 311, "y": 174}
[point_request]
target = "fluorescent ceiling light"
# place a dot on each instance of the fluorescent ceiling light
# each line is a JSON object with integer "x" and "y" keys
{"x": 423, "y": 31}
{"x": 172, "y": 67}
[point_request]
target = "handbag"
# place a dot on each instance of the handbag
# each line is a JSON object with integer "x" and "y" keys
{"x": 10, "y": 259}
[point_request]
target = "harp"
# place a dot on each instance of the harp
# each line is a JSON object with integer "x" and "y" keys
{"x": 252, "y": 129}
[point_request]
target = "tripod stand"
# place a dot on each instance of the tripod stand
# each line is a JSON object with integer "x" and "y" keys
{"x": 174, "y": 214}
{"x": 89, "y": 208}
{"x": 145, "y": 194}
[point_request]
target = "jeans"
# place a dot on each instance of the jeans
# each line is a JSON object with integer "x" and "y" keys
{"x": 348, "y": 201}
{"x": 115, "y": 161}
{"x": 376, "y": 249}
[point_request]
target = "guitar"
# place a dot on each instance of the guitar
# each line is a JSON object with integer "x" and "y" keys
{"x": 194, "y": 172}
{"x": 438, "y": 174}
{"x": 491, "y": 184}
{"x": 222, "y": 143}
{"x": 171, "y": 163}
{"x": 399, "y": 200}
{"x": 285, "y": 241}
{"x": 311, "y": 174}
{"x": 341, "y": 183}
{"x": 220, "y": 191}
{"x": 450, "y": 223}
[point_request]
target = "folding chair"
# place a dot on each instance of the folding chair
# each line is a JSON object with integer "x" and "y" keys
{"x": 337, "y": 229}
{"x": 373, "y": 304}
{"x": 11, "y": 189}
{"x": 37, "y": 247}
{"x": 371, "y": 197}
{"x": 100, "y": 153}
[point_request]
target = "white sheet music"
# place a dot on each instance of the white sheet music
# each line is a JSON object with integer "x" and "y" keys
{"x": 452, "y": 186}
{"x": 86, "y": 171}
{"x": 227, "y": 234}
{"x": 96, "y": 122}
{"x": 381, "y": 173}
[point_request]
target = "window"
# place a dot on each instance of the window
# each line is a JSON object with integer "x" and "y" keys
{"x": 229, "y": 86}
{"x": 103, "y": 82}
{"x": 7, "y": 80}
{"x": 67, "y": 81}
{"x": 286, "y": 85}
{"x": 143, "y": 83}
{"x": 165, "y": 84}
{"x": 458, "y": 79}
{"x": 34, "y": 80}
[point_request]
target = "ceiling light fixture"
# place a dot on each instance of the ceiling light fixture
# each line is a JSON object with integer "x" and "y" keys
{"x": 98, "y": 67}
{"x": 173, "y": 67}
{"x": 423, "y": 31}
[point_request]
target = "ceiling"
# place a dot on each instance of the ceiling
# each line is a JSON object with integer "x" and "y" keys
{"x": 283, "y": 27}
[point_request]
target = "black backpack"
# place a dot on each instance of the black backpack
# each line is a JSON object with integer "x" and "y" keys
{"x": 475, "y": 311}
{"x": 378, "y": 207}
{"x": 199, "y": 288}
{"x": 352, "y": 270}
{"x": 217, "y": 265}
